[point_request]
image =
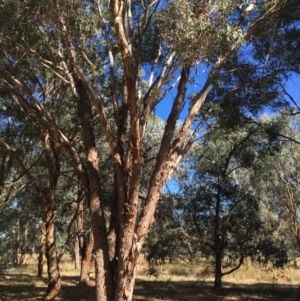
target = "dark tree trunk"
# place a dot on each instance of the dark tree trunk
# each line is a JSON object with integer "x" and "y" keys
{"x": 218, "y": 271}
{"x": 218, "y": 244}
{"x": 16, "y": 243}
{"x": 24, "y": 244}
{"x": 42, "y": 251}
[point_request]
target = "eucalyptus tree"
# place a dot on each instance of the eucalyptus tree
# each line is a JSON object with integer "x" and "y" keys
{"x": 11, "y": 176}
{"x": 122, "y": 58}
{"x": 169, "y": 240}
{"x": 258, "y": 73}
{"x": 45, "y": 169}
{"x": 40, "y": 164}
{"x": 14, "y": 198}
{"x": 283, "y": 188}
{"x": 46, "y": 196}
{"x": 288, "y": 195}
{"x": 19, "y": 228}
{"x": 221, "y": 200}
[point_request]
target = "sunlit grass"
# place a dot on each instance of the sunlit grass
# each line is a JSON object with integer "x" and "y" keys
{"x": 187, "y": 280}
{"x": 177, "y": 271}
{"x": 204, "y": 272}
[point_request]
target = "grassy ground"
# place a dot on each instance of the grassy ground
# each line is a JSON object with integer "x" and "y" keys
{"x": 173, "y": 282}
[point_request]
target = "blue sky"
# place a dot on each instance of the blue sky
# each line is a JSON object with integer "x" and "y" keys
{"x": 163, "y": 108}
{"x": 293, "y": 87}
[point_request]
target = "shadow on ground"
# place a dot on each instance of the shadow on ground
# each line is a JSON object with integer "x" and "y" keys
{"x": 25, "y": 287}
{"x": 202, "y": 291}
{"x": 21, "y": 287}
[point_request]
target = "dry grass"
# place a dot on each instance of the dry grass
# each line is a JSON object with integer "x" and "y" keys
{"x": 174, "y": 282}
{"x": 204, "y": 272}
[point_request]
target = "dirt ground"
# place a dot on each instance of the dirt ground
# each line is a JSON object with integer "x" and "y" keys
{"x": 25, "y": 287}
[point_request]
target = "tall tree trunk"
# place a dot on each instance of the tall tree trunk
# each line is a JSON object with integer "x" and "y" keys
{"x": 103, "y": 279}
{"x": 16, "y": 243}
{"x": 53, "y": 166}
{"x": 24, "y": 243}
{"x": 54, "y": 282}
{"x": 103, "y": 275}
{"x": 113, "y": 233}
{"x": 218, "y": 244}
{"x": 128, "y": 245}
{"x": 128, "y": 253}
{"x": 132, "y": 236}
{"x": 218, "y": 271}
{"x": 42, "y": 250}
{"x": 85, "y": 244}
{"x": 76, "y": 253}
{"x": 86, "y": 257}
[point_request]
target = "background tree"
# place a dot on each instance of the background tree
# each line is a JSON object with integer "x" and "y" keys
{"x": 168, "y": 240}
{"x": 221, "y": 202}
{"x": 283, "y": 189}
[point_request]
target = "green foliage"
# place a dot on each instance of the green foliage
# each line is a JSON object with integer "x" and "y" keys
{"x": 199, "y": 31}
{"x": 224, "y": 206}
{"x": 167, "y": 241}
{"x": 283, "y": 175}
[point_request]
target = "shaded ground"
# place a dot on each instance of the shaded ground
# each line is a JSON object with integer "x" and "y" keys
{"x": 26, "y": 287}
{"x": 202, "y": 291}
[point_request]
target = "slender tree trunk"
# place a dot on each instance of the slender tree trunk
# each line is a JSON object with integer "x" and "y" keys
{"x": 24, "y": 244}
{"x": 16, "y": 243}
{"x": 85, "y": 245}
{"x": 32, "y": 252}
{"x": 42, "y": 250}
{"x": 103, "y": 279}
{"x": 218, "y": 271}
{"x": 113, "y": 233}
{"x": 76, "y": 253}
{"x": 86, "y": 258}
{"x": 218, "y": 246}
{"x": 295, "y": 227}
{"x": 53, "y": 166}
{"x": 54, "y": 282}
